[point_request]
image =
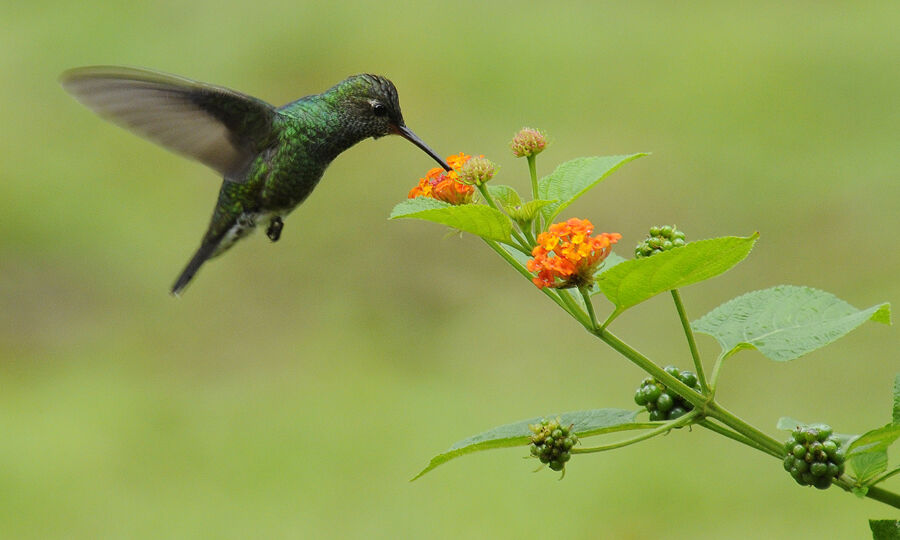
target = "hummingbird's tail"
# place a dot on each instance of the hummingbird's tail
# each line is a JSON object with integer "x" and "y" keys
{"x": 207, "y": 249}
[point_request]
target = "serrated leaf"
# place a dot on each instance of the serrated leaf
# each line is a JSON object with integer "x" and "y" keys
{"x": 867, "y": 466}
{"x": 896, "y": 415}
{"x": 530, "y": 208}
{"x": 472, "y": 218}
{"x": 784, "y": 322}
{"x": 505, "y": 195}
{"x": 876, "y": 440}
{"x": 633, "y": 281}
{"x": 885, "y": 529}
{"x": 584, "y": 424}
{"x": 574, "y": 178}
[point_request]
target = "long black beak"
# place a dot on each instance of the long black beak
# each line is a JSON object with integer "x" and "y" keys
{"x": 407, "y": 134}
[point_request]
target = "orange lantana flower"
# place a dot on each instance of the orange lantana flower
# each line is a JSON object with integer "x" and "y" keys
{"x": 567, "y": 255}
{"x": 443, "y": 185}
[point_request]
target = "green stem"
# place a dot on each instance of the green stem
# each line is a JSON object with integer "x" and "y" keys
{"x": 702, "y": 403}
{"x": 883, "y": 476}
{"x": 521, "y": 249}
{"x": 647, "y": 365}
{"x": 528, "y": 235}
{"x": 692, "y": 344}
{"x": 578, "y": 315}
{"x": 532, "y": 169}
{"x": 582, "y": 316}
{"x": 664, "y": 428}
{"x": 885, "y": 496}
{"x": 585, "y": 295}
{"x": 728, "y": 418}
{"x": 538, "y": 223}
{"x": 490, "y": 200}
{"x": 720, "y": 361}
{"x": 712, "y": 426}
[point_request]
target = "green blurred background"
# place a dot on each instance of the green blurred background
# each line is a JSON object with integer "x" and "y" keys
{"x": 297, "y": 387}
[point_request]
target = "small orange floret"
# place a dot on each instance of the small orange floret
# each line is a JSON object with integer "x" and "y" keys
{"x": 445, "y": 185}
{"x": 568, "y": 253}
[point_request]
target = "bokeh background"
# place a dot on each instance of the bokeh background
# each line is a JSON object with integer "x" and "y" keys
{"x": 297, "y": 387}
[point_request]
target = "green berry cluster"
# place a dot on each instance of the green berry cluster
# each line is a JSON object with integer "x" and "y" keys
{"x": 551, "y": 443}
{"x": 813, "y": 456}
{"x": 660, "y": 403}
{"x": 660, "y": 239}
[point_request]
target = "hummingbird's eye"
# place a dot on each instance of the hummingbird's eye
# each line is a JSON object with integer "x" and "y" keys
{"x": 378, "y": 109}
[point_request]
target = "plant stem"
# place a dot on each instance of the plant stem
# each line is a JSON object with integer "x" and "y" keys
{"x": 689, "y": 333}
{"x": 590, "y": 306}
{"x": 664, "y": 428}
{"x": 647, "y": 365}
{"x": 521, "y": 249}
{"x": 490, "y": 200}
{"x": 577, "y": 314}
{"x": 884, "y": 476}
{"x": 885, "y": 496}
{"x": 712, "y": 426}
{"x": 728, "y": 418}
{"x": 532, "y": 169}
{"x": 567, "y": 298}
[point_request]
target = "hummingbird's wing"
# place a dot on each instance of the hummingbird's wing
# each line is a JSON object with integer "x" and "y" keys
{"x": 218, "y": 127}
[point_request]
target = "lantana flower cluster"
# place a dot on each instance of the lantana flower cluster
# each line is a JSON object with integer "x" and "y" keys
{"x": 567, "y": 255}
{"x": 445, "y": 185}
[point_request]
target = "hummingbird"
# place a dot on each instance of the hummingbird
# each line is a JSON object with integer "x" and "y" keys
{"x": 271, "y": 158}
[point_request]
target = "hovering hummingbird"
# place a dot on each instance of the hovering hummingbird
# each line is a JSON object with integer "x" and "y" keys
{"x": 271, "y": 157}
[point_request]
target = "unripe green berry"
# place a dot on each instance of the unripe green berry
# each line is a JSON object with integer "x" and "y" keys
{"x": 665, "y": 403}
{"x": 639, "y": 397}
{"x": 818, "y": 468}
{"x": 788, "y": 462}
{"x": 688, "y": 378}
{"x": 677, "y": 412}
{"x": 813, "y": 459}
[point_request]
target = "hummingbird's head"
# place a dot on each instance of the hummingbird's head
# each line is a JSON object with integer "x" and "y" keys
{"x": 374, "y": 107}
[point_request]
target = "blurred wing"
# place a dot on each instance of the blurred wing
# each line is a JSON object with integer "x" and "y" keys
{"x": 218, "y": 127}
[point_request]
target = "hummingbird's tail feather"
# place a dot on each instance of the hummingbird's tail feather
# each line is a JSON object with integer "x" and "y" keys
{"x": 207, "y": 249}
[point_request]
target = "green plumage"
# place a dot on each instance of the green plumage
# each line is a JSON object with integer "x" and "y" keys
{"x": 271, "y": 158}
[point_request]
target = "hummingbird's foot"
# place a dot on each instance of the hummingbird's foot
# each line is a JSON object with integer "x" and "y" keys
{"x": 274, "y": 230}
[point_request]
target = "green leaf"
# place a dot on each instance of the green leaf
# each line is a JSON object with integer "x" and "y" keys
{"x": 867, "y": 453}
{"x": 505, "y": 195}
{"x": 585, "y": 423}
{"x": 529, "y": 209}
{"x": 869, "y": 465}
{"x": 631, "y": 282}
{"x": 574, "y": 178}
{"x": 885, "y": 529}
{"x": 472, "y": 218}
{"x": 784, "y": 322}
{"x": 897, "y": 399}
{"x": 876, "y": 440}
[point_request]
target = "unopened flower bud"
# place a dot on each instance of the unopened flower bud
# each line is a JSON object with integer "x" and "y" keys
{"x": 477, "y": 171}
{"x": 528, "y": 142}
